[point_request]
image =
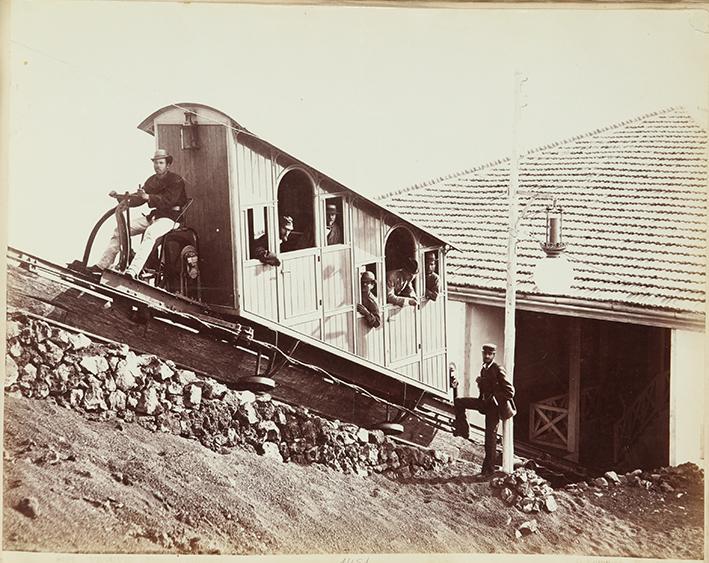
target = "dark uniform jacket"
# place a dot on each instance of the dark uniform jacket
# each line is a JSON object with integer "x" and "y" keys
{"x": 369, "y": 308}
{"x": 167, "y": 195}
{"x": 495, "y": 389}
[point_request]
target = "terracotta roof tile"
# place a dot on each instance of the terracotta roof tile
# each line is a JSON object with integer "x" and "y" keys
{"x": 635, "y": 213}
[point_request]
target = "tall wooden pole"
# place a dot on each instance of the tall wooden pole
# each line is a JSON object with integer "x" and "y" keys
{"x": 511, "y": 290}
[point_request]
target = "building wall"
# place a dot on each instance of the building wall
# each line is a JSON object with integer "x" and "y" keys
{"x": 687, "y": 364}
{"x": 483, "y": 324}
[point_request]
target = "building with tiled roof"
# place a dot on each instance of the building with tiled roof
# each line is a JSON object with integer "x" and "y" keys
{"x": 634, "y": 199}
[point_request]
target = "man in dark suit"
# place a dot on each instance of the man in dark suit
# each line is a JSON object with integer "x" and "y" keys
{"x": 164, "y": 192}
{"x": 495, "y": 391}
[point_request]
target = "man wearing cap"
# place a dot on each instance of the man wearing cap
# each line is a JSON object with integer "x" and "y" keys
{"x": 495, "y": 391}
{"x": 400, "y": 290}
{"x": 285, "y": 229}
{"x": 333, "y": 229}
{"x": 433, "y": 283}
{"x": 164, "y": 192}
{"x": 369, "y": 307}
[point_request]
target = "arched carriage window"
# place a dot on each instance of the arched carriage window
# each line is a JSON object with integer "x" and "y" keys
{"x": 400, "y": 258}
{"x": 296, "y": 217}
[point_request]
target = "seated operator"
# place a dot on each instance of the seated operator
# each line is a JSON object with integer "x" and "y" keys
{"x": 164, "y": 192}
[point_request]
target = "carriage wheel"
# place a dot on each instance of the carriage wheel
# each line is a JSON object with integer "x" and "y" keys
{"x": 256, "y": 384}
{"x": 390, "y": 428}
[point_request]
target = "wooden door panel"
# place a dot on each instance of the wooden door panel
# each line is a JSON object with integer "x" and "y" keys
{"x": 299, "y": 277}
{"x": 401, "y": 329}
{"x": 337, "y": 279}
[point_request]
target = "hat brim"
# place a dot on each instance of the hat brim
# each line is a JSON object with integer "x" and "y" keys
{"x": 167, "y": 158}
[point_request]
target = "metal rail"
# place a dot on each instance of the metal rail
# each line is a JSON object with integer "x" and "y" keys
{"x": 209, "y": 322}
{"x": 213, "y": 327}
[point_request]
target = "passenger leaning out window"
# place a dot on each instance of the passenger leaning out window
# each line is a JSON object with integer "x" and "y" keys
{"x": 400, "y": 289}
{"x": 369, "y": 308}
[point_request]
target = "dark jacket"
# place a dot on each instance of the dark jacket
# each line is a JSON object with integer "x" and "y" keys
{"x": 495, "y": 389}
{"x": 167, "y": 195}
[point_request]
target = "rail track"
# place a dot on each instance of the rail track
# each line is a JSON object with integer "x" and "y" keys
{"x": 148, "y": 304}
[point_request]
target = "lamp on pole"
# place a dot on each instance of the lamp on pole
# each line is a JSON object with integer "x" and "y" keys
{"x": 554, "y": 274}
{"x": 511, "y": 289}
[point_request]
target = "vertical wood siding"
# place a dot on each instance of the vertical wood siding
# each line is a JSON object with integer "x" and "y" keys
{"x": 300, "y": 285}
{"x": 409, "y": 370}
{"x": 401, "y": 333}
{"x": 337, "y": 279}
{"x": 433, "y": 330}
{"x": 365, "y": 235}
{"x": 370, "y": 341}
{"x": 337, "y": 330}
{"x": 309, "y": 328}
{"x": 205, "y": 174}
{"x": 259, "y": 290}
{"x": 435, "y": 371}
{"x": 255, "y": 176}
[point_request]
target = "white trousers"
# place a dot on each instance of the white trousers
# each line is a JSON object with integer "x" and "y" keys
{"x": 152, "y": 232}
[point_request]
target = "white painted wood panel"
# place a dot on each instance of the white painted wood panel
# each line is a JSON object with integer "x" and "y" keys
{"x": 309, "y": 328}
{"x": 259, "y": 290}
{"x": 338, "y": 331}
{"x": 337, "y": 279}
{"x": 401, "y": 331}
{"x": 433, "y": 330}
{"x": 366, "y": 235}
{"x": 300, "y": 283}
{"x": 370, "y": 341}
{"x": 434, "y": 372}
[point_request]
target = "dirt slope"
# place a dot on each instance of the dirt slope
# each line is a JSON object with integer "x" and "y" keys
{"x": 115, "y": 487}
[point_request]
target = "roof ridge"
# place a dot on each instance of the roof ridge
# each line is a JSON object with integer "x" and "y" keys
{"x": 565, "y": 141}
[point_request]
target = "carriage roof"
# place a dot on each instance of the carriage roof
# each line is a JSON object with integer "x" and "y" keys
{"x": 210, "y": 114}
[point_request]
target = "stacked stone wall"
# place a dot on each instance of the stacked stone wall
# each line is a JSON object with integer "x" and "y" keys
{"x": 106, "y": 382}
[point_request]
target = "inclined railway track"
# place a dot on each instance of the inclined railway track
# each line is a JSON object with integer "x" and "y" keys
{"x": 199, "y": 318}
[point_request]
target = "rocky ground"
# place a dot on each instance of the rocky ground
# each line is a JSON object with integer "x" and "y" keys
{"x": 80, "y": 479}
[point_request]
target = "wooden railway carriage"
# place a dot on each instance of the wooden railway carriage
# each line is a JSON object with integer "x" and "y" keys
{"x": 241, "y": 185}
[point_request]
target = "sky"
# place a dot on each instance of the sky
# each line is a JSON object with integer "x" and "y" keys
{"x": 379, "y": 98}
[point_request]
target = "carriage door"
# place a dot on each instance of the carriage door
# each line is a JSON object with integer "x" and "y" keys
{"x": 338, "y": 309}
{"x": 433, "y": 322}
{"x": 402, "y": 323}
{"x": 300, "y": 283}
{"x": 368, "y": 255}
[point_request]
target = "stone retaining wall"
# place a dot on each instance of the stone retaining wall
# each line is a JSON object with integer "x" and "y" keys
{"x": 111, "y": 382}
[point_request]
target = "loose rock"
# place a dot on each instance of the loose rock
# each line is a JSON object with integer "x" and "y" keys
{"x": 29, "y": 506}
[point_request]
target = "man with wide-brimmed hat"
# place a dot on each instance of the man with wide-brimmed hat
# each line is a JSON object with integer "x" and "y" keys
{"x": 164, "y": 192}
{"x": 333, "y": 230}
{"x": 368, "y": 306}
{"x": 400, "y": 289}
{"x": 496, "y": 393}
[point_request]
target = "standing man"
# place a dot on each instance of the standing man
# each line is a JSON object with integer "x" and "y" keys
{"x": 332, "y": 227}
{"x": 164, "y": 192}
{"x": 400, "y": 290}
{"x": 495, "y": 391}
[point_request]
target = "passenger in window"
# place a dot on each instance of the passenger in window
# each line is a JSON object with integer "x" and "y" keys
{"x": 260, "y": 251}
{"x": 433, "y": 282}
{"x": 400, "y": 290}
{"x": 290, "y": 240}
{"x": 332, "y": 225}
{"x": 369, "y": 307}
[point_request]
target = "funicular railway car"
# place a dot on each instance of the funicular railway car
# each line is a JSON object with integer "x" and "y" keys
{"x": 306, "y": 290}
